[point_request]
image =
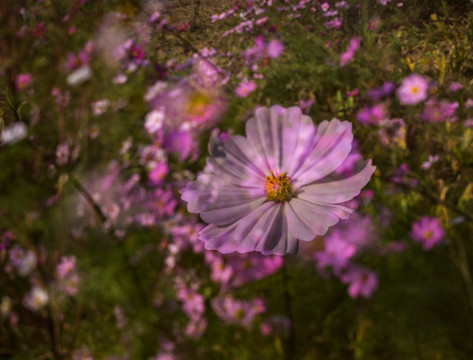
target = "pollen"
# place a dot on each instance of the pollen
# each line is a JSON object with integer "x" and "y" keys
{"x": 278, "y": 187}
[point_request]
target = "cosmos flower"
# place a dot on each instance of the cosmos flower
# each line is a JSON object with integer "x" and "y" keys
{"x": 438, "y": 111}
{"x": 267, "y": 191}
{"x": 361, "y": 282}
{"x": 373, "y": 115}
{"x": 351, "y": 50}
{"x": 428, "y": 232}
{"x": 413, "y": 90}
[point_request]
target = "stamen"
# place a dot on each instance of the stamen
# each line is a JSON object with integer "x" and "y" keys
{"x": 278, "y": 187}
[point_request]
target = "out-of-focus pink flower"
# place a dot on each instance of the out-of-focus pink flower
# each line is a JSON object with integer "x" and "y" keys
{"x": 157, "y": 174}
{"x": 196, "y": 327}
{"x": 431, "y": 160}
{"x": 66, "y": 266}
{"x": 438, "y": 111}
{"x": 413, "y": 89}
{"x": 193, "y": 302}
{"x": 22, "y": 81}
{"x": 245, "y": 88}
{"x": 99, "y": 107}
{"x": 378, "y": 93}
{"x": 428, "y": 232}
{"x": 62, "y": 154}
{"x": 361, "y": 282}
{"x": 251, "y": 267}
{"x": 233, "y": 311}
{"x": 351, "y": 51}
{"x": 136, "y": 52}
{"x": 179, "y": 142}
{"x": 455, "y": 86}
{"x": 275, "y": 48}
{"x": 373, "y": 115}
{"x": 336, "y": 254}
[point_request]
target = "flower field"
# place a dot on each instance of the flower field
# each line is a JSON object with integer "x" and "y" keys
{"x": 258, "y": 179}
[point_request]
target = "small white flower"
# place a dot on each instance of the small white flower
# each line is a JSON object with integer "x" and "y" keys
{"x": 37, "y": 298}
{"x": 79, "y": 76}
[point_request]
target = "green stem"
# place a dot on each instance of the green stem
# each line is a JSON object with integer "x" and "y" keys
{"x": 290, "y": 349}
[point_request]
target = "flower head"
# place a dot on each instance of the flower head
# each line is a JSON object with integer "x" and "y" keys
{"x": 428, "y": 232}
{"x": 267, "y": 191}
{"x": 413, "y": 90}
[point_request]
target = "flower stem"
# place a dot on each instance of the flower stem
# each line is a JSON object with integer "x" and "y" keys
{"x": 291, "y": 341}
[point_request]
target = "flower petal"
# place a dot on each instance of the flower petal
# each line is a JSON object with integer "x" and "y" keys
{"x": 296, "y": 226}
{"x": 228, "y": 214}
{"x": 318, "y": 217}
{"x": 336, "y": 192}
{"x": 253, "y": 229}
{"x": 299, "y": 139}
{"x": 209, "y": 193}
{"x": 333, "y": 144}
{"x": 264, "y": 133}
{"x": 219, "y": 238}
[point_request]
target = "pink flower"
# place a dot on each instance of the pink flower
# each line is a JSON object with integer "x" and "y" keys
{"x": 336, "y": 254}
{"x": 372, "y": 115}
{"x": 351, "y": 50}
{"x": 22, "y": 81}
{"x": 245, "y": 88}
{"x": 66, "y": 266}
{"x": 361, "y": 282}
{"x": 427, "y": 231}
{"x": 413, "y": 90}
{"x": 267, "y": 191}
{"x": 438, "y": 111}
{"x": 239, "y": 312}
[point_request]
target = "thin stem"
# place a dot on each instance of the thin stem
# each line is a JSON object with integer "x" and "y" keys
{"x": 88, "y": 197}
{"x": 291, "y": 342}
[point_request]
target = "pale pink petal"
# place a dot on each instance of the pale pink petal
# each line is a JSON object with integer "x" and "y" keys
{"x": 318, "y": 217}
{"x": 334, "y": 141}
{"x": 299, "y": 140}
{"x": 339, "y": 191}
{"x": 226, "y": 214}
{"x": 264, "y": 133}
{"x": 208, "y": 193}
{"x": 219, "y": 238}
{"x": 255, "y": 226}
{"x": 296, "y": 226}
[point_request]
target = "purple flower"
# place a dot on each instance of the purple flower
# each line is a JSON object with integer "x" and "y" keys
{"x": 179, "y": 142}
{"x": 413, "y": 90}
{"x": 378, "y": 93}
{"x": 428, "y": 232}
{"x": 266, "y": 191}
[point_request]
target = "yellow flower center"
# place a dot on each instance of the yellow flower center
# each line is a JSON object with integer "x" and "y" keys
{"x": 197, "y": 104}
{"x": 278, "y": 187}
{"x": 414, "y": 90}
{"x": 428, "y": 234}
